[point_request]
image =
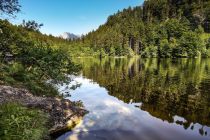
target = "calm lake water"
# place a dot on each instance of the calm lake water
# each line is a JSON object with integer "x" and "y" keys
{"x": 142, "y": 99}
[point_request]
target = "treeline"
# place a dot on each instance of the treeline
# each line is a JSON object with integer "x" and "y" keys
{"x": 158, "y": 28}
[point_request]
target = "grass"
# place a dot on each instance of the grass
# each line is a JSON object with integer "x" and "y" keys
{"x": 20, "y": 123}
{"x": 15, "y": 75}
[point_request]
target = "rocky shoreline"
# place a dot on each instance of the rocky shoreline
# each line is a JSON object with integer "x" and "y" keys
{"x": 63, "y": 114}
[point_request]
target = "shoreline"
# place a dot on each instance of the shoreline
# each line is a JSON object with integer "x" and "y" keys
{"x": 62, "y": 114}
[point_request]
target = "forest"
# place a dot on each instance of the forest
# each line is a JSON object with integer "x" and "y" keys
{"x": 163, "y": 28}
{"x": 29, "y": 58}
{"x": 158, "y": 28}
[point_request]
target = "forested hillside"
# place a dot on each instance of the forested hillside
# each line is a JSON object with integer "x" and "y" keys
{"x": 158, "y": 28}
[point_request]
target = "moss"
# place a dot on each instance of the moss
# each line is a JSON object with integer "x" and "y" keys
{"x": 20, "y": 123}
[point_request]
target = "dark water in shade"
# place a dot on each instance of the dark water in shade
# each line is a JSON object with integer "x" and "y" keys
{"x": 142, "y": 99}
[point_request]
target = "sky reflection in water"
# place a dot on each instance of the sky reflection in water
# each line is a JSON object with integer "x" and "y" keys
{"x": 113, "y": 119}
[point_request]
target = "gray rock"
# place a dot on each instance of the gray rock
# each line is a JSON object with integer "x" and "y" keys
{"x": 63, "y": 114}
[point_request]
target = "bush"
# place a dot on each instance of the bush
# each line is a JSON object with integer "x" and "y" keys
{"x": 48, "y": 63}
{"x": 20, "y": 123}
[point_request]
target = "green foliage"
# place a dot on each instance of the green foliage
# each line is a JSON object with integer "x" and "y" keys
{"x": 208, "y": 53}
{"x": 126, "y": 33}
{"x": 154, "y": 27}
{"x": 20, "y": 123}
{"x": 165, "y": 49}
{"x": 207, "y": 50}
{"x": 199, "y": 30}
{"x": 158, "y": 83}
{"x": 208, "y": 44}
{"x": 9, "y": 7}
{"x": 112, "y": 51}
{"x": 191, "y": 44}
{"x": 150, "y": 51}
{"x": 48, "y": 63}
{"x": 33, "y": 60}
{"x": 175, "y": 28}
{"x": 16, "y": 75}
{"x": 102, "y": 53}
{"x": 31, "y": 25}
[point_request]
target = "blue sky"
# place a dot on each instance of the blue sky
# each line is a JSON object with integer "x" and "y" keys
{"x": 75, "y": 16}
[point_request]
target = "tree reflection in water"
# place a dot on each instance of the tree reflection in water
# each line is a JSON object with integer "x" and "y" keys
{"x": 176, "y": 91}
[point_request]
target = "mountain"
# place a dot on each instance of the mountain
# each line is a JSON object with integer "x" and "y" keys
{"x": 69, "y": 36}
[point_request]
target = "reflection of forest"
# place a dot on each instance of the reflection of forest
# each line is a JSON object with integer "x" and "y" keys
{"x": 166, "y": 87}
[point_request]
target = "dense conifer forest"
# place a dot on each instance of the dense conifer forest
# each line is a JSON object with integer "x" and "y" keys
{"x": 162, "y": 28}
{"x": 158, "y": 28}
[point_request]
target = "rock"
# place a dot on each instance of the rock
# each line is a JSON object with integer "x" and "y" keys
{"x": 63, "y": 114}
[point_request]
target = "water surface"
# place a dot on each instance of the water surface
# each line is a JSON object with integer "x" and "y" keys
{"x": 142, "y": 99}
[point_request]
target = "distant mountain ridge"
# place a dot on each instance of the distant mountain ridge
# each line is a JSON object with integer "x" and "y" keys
{"x": 69, "y": 36}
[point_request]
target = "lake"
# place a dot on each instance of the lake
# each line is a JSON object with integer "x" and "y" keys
{"x": 142, "y": 99}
